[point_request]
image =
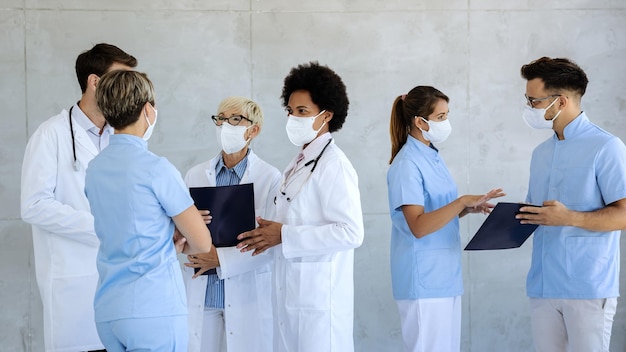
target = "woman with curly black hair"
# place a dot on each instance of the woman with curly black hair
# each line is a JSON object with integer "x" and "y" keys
{"x": 318, "y": 220}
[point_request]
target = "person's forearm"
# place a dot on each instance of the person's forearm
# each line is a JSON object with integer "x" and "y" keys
{"x": 430, "y": 222}
{"x": 609, "y": 218}
{"x": 193, "y": 228}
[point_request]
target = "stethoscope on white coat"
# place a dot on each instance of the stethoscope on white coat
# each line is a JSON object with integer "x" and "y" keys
{"x": 283, "y": 187}
{"x": 76, "y": 164}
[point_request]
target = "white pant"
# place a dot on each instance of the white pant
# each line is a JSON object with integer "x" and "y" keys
{"x": 213, "y": 335}
{"x": 574, "y": 325}
{"x": 431, "y": 324}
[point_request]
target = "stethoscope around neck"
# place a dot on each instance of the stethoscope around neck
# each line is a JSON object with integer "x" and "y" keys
{"x": 283, "y": 187}
{"x": 76, "y": 164}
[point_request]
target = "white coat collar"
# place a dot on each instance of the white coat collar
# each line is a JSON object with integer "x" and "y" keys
{"x": 80, "y": 135}
{"x": 315, "y": 147}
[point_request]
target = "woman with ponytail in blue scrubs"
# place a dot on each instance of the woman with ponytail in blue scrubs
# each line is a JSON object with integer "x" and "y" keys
{"x": 425, "y": 210}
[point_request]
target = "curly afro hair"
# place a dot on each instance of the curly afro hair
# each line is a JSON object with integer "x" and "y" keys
{"x": 325, "y": 87}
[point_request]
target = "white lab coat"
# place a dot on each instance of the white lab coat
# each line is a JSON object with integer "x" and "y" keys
{"x": 247, "y": 285}
{"x": 65, "y": 244}
{"x": 313, "y": 272}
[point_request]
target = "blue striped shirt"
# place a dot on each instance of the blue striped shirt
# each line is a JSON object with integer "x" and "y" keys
{"x": 225, "y": 177}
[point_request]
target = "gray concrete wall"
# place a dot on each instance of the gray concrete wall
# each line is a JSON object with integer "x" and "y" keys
{"x": 198, "y": 52}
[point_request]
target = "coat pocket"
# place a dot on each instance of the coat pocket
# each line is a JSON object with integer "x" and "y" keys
{"x": 588, "y": 258}
{"x": 72, "y": 312}
{"x": 438, "y": 268}
{"x": 308, "y": 286}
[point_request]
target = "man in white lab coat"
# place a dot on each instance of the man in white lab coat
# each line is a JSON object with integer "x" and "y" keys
{"x": 318, "y": 221}
{"x": 232, "y": 309}
{"x": 53, "y": 201}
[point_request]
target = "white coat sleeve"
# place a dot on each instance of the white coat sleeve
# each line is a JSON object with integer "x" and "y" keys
{"x": 187, "y": 178}
{"x": 340, "y": 204}
{"x": 39, "y": 206}
{"x": 232, "y": 261}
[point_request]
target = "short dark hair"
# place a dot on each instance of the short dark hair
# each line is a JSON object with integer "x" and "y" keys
{"x": 122, "y": 95}
{"x": 98, "y": 60}
{"x": 557, "y": 74}
{"x": 325, "y": 87}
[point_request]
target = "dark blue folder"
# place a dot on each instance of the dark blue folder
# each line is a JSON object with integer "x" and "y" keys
{"x": 232, "y": 208}
{"x": 501, "y": 230}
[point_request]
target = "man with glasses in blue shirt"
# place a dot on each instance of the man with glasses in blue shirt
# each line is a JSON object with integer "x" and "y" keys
{"x": 578, "y": 176}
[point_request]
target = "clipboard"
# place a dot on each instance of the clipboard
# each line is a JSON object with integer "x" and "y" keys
{"x": 232, "y": 208}
{"x": 501, "y": 230}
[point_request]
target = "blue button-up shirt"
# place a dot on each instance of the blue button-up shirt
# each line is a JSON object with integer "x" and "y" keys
{"x": 133, "y": 194}
{"x": 585, "y": 171}
{"x": 428, "y": 267}
{"x": 224, "y": 177}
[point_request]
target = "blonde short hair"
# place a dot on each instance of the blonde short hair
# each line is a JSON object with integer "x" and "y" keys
{"x": 248, "y": 108}
{"x": 121, "y": 95}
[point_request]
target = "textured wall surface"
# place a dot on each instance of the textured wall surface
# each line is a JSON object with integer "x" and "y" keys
{"x": 198, "y": 52}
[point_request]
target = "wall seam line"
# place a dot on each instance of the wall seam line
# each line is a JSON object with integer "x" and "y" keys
{"x": 468, "y": 179}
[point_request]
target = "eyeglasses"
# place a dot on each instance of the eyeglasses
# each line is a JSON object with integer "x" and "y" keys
{"x": 533, "y": 101}
{"x": 234, "y": 120}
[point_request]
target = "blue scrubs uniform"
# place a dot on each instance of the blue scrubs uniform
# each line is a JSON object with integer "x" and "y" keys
{"x": 585, "y": 171}
{"x": 133, "y": 195}
{"x": 428, "y": 267}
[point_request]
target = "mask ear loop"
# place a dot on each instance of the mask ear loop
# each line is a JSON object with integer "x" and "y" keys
{"x": 423, "y": 119}
{"x": 322, "y": 126}
{"x": 558, "y": 113}
{"x": 249, "y": 138}
{"x": 323, "y": 123}
{"x": 147, "y": 120}
{"x": 554, "y": 101}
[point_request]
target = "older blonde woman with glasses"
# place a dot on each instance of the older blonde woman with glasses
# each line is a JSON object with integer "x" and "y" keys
{"x": 232, "y": 310}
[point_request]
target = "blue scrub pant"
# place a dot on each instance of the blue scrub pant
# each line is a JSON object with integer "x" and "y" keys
{"x": 145, "y": 334}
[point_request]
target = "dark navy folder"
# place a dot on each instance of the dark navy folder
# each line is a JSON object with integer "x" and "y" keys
{"x": 501, "y": 230}
{"x": 232, "y": 208}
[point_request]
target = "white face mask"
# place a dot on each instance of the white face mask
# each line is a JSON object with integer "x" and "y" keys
{"x": 148, "y": 133}
{"x": 438, "y": 131}
{"x": 300, "y": 129}
{"x": 230, "y": 138}
{"x": 536, "y": 118}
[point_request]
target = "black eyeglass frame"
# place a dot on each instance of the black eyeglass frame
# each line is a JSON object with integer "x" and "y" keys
{"x": 217, "y": 119}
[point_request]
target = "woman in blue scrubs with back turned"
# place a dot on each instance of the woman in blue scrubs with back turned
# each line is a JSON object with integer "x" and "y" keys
{"x": 425, "y": 210}
{"x": 137, "y": 200}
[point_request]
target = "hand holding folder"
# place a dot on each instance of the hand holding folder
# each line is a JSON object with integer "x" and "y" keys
{"x": 501, "y": 230}
{"x": 232, "y": 208}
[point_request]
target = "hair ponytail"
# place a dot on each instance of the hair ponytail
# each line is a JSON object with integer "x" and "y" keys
{"x": 398, "y": 130}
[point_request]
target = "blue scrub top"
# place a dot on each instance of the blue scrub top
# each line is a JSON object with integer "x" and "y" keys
{"x": 430, "y": 266}
{"x": 133, "y": 194}
{"x": 585, "y": 171}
